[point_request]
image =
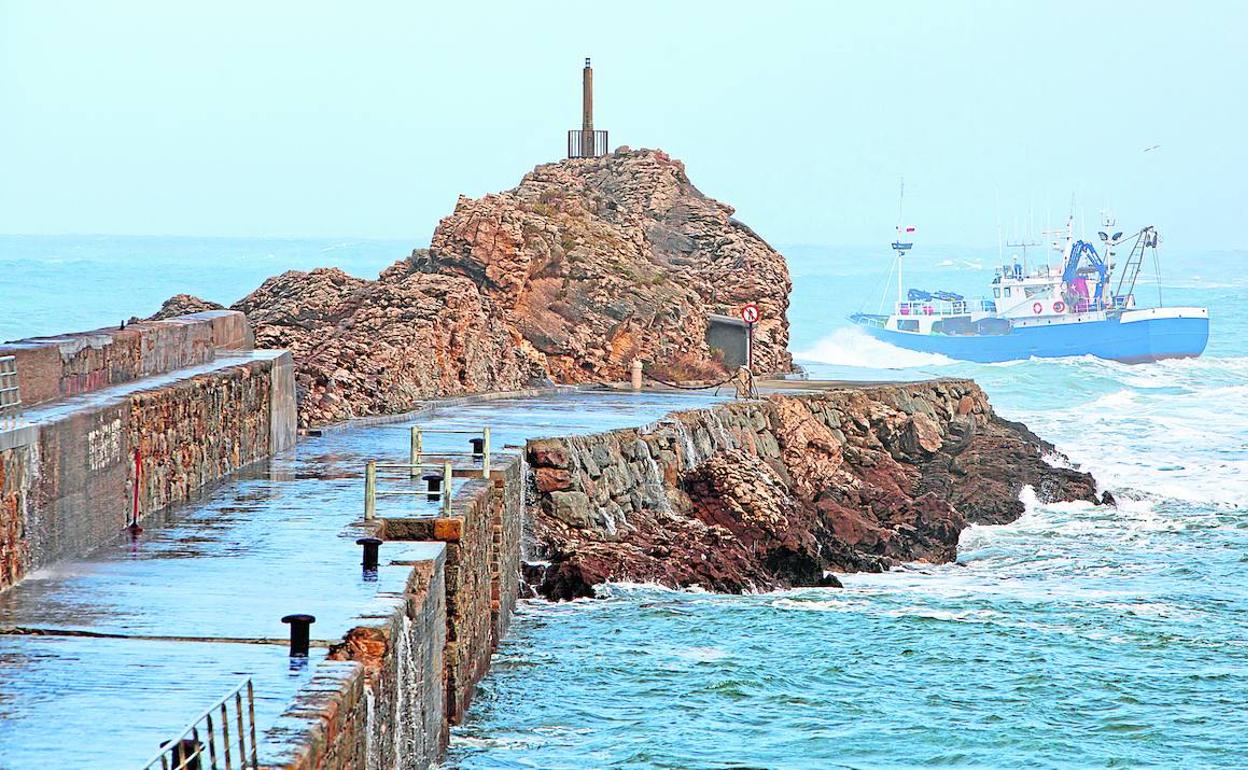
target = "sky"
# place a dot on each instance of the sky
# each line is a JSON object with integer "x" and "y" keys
{"x": 329, "y": 119}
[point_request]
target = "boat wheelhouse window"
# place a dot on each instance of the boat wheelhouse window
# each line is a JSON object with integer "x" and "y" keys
{"x": 907, "y": 325}
{"x": 1032, "y": 291}
{"x": 1007, "y": 291}
{"x": 996, "y": 292}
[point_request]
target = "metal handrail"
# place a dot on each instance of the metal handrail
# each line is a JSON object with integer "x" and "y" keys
{"x": 415, "y": 464}
{"x": 418, "y": 442}
{"x": 370, "y": 484}
{"x": 198, "y": 741}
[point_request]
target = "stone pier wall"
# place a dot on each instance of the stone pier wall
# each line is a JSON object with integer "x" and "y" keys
{"x": 416, "y": 668}
{"x": 195, "y": 431}
{"x": 507, "y": 510}
{"x": 50, "y": 368}
{"x": 17, "y": 469}
{"x": 783, "y": 491}
{"x": 68, "y": 471}
{"x": 482, "y": 537}
{"x": 378, "y": 701}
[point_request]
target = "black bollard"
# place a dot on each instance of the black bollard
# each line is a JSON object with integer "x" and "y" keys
{"x": 300, "y": 634}
{"x": 371, "y": 546}
{"x": 478, "y": 447}
{"x": 434, "y": 482}
{"x": 184, "y": 754}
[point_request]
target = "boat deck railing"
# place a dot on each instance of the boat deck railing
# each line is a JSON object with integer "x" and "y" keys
{"x": 1109, "y": 303}
{"x": 940, "y": 307}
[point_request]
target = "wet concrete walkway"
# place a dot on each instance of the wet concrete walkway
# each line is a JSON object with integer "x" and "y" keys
{"x": 196, "y": 603}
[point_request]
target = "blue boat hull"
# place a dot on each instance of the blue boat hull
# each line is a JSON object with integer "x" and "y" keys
{"x": 1135, "y": 342}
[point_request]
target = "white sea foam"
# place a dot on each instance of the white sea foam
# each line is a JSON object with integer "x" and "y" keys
{"x": 700, "y": 654}
{"x": 850, "y": 346}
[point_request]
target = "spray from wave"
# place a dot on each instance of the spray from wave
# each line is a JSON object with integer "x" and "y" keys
{"x": 853, "y": 347}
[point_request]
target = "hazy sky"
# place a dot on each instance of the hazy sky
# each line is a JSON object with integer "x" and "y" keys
{"x": 369, "y": 118}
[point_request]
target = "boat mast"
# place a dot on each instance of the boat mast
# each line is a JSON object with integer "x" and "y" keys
{"x": 901, "y": 197}
{"x": 901, "y": 246}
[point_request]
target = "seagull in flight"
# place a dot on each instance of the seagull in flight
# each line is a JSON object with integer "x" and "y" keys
{"x": 1153, "y": 147}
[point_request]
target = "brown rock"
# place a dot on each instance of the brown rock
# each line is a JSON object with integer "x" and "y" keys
{"x": 552, "y": 479}
{"x": 754, "y": 496}
{"x": 183, "y": 304}
{"x": 598, "y": 261}
{"x": 371, "y": 347}
{"x": 583, "y": 267}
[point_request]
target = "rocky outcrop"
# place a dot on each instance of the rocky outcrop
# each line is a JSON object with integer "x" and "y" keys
{"x": 601, "y": 260}
{"x": 182, "y": 304}
{"x": 583, "y": 267}
{"x": 779, "y": 492}
{"x": 369, "y": 347}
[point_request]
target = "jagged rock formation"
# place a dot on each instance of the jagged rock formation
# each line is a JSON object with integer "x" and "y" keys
{"x": 180, "y": 305}
{"x": 584, "y": 266}
{"x": 761, "y": 495}
{"x": 600, "y": 260}
{"x": 369, "y": 347}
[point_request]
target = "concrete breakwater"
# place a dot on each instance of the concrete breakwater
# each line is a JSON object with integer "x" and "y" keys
{"x": 719, "y": 497}
{"x": 151, "y": 416}
{"x": 125, "y": 421}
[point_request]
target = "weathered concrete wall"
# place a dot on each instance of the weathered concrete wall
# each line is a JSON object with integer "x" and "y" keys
{"x": 379, "y": 701}
{"x": 80, "y": 493}
{"x": 50, "y": 368}
{"x": 17, "y": 466}
{"x": 109, "y": 399}
{"x": 415, "y": 670}
{"x": 283, "y": 419}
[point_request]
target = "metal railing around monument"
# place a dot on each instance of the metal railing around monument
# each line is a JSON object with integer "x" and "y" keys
{"x": 587, "y": 144}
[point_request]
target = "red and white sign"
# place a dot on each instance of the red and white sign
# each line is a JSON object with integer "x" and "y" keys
{"x": 750, "y": 313}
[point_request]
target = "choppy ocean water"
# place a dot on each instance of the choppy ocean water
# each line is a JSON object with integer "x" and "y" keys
{"x": 1076, "y": 637}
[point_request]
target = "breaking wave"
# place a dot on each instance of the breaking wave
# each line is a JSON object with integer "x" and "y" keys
{"x": 850, "y": 346}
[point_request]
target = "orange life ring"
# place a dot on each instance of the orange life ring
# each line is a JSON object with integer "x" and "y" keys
{"x": 1059, "y": 307}
{"x": 1037, "y": 308}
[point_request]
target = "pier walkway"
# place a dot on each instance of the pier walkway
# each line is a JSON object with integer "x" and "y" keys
{"x": 103, "y": 658}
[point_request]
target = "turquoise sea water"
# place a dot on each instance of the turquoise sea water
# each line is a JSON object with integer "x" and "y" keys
{"x": 1076, "y": 637}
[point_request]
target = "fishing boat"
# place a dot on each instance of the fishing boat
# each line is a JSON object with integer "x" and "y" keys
{"x": 1085, "y": 305}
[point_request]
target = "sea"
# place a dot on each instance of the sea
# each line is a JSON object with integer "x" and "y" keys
{"x": 1078, "y": 636}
